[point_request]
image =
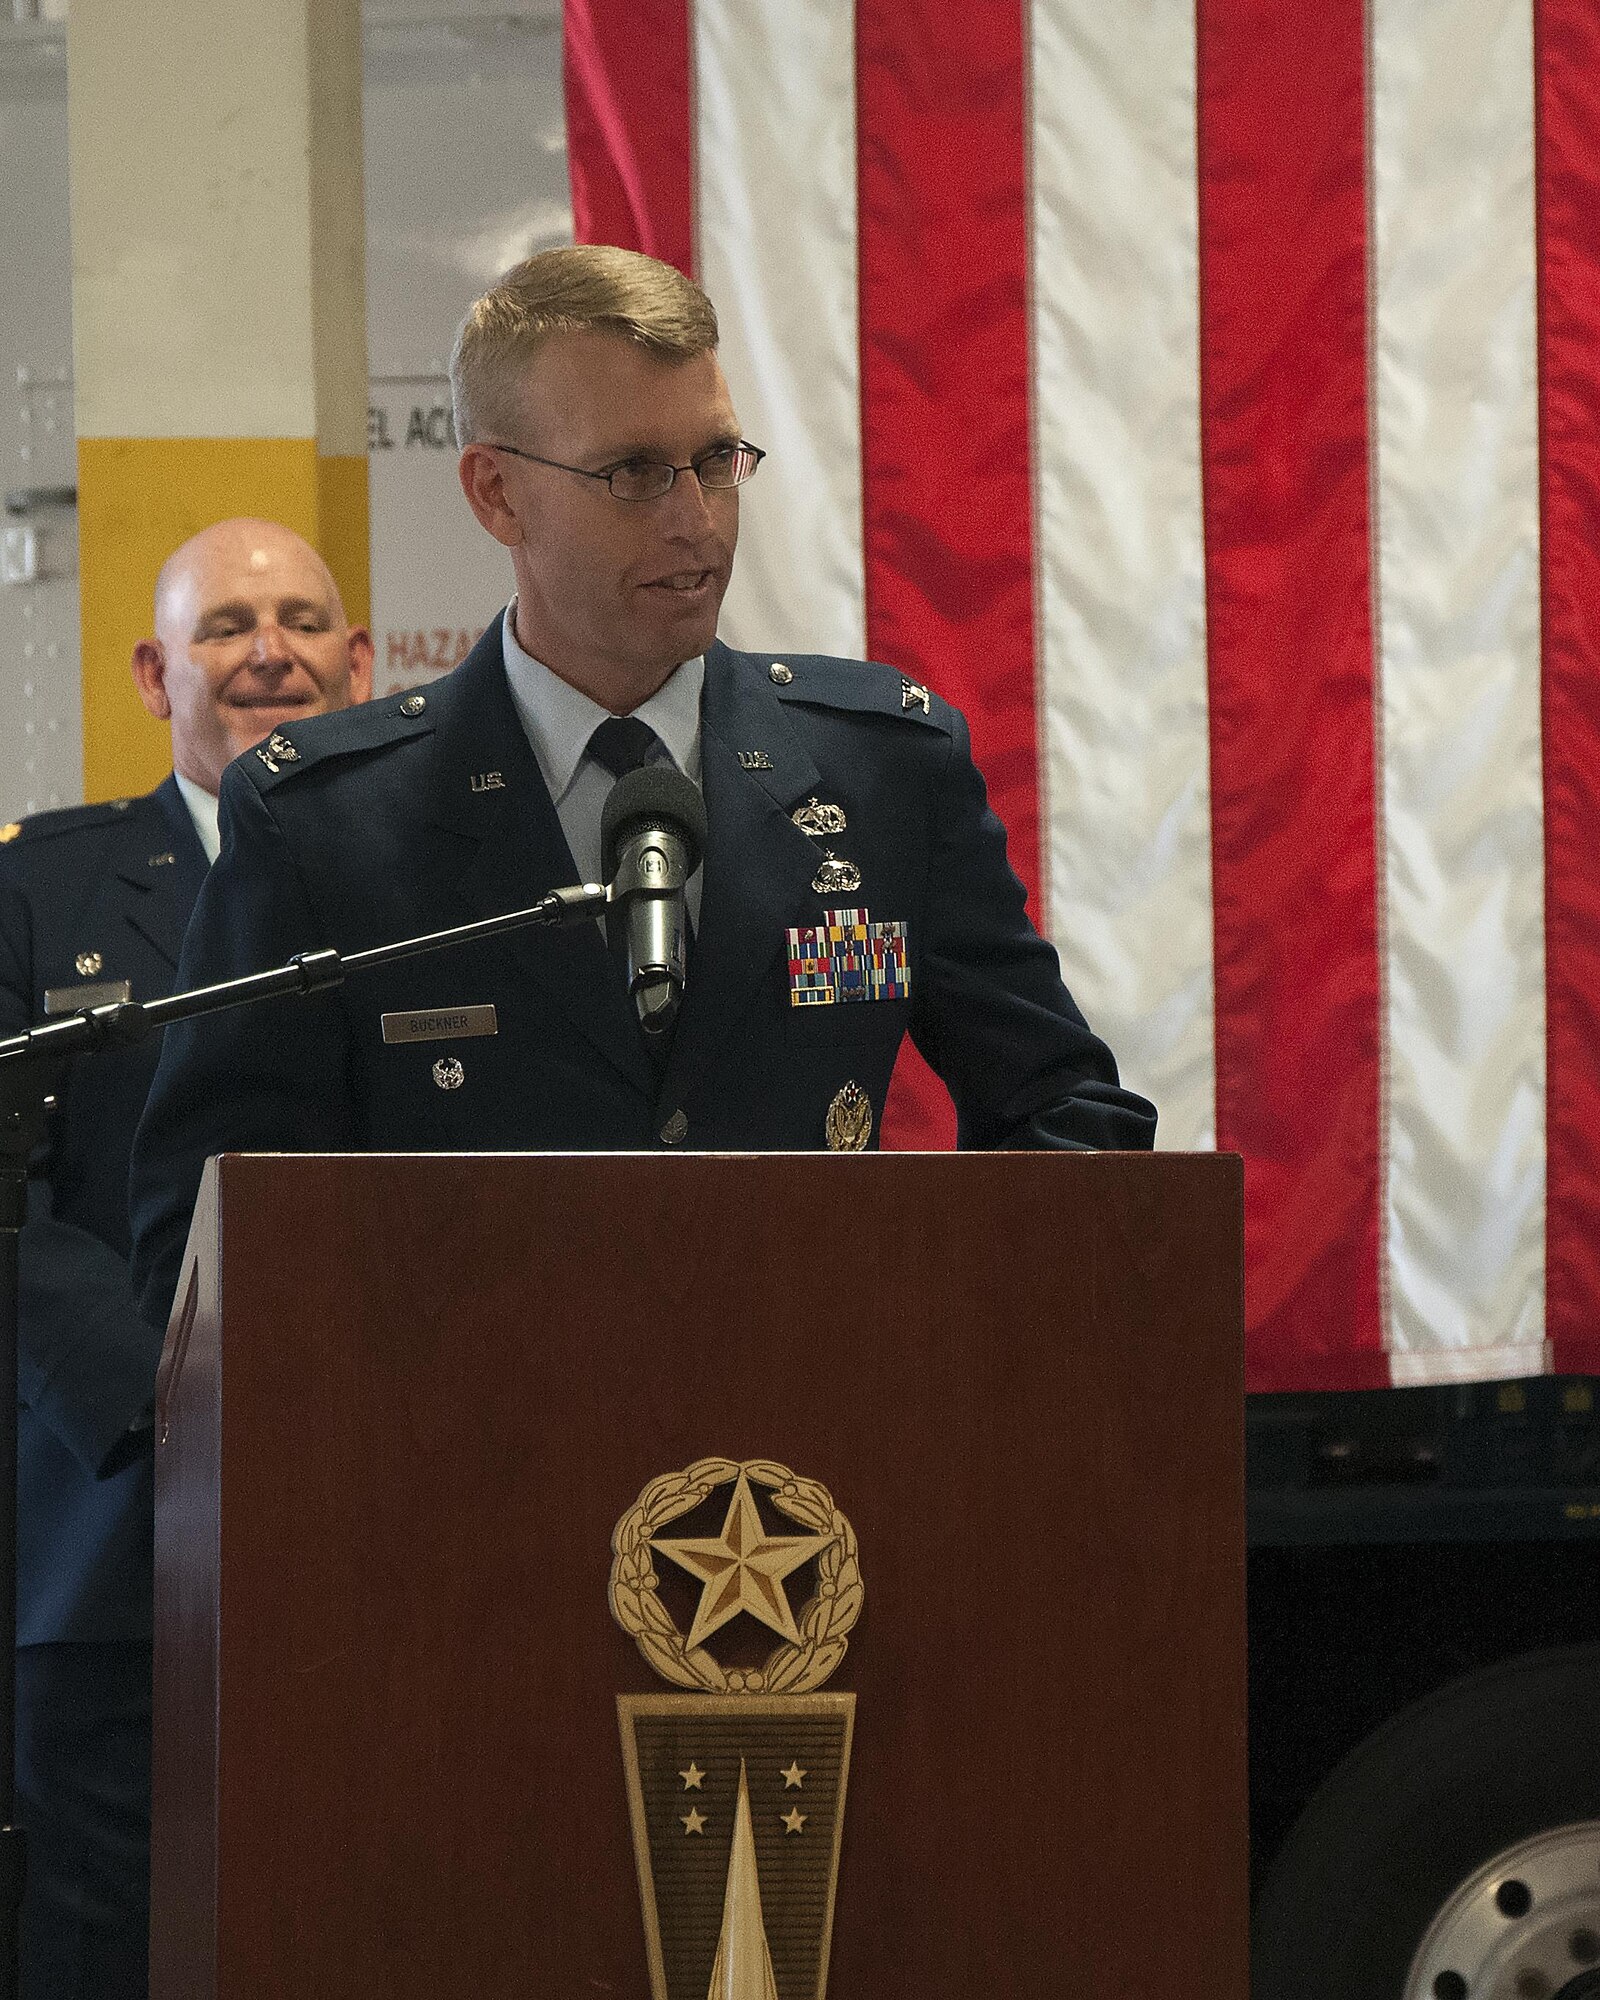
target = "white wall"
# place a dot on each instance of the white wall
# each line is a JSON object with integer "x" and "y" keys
{"x": 466, "y": 173}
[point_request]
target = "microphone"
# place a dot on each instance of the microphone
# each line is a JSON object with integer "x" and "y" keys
{"x": 652, "y": 835}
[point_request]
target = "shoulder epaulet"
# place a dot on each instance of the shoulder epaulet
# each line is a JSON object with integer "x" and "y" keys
{"x": 865, "y": 686}
{"x": 64, "y": 819}
{"x": 347, "y": 732}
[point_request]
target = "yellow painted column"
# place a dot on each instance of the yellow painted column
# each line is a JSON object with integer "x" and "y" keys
{"x": 219, "y": 310}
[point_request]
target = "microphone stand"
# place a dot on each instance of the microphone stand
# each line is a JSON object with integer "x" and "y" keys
{"x": 31, "y": 1064}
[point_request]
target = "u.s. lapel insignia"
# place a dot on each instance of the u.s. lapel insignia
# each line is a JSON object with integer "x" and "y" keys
{"x": 449, "y": 1072}
{"x": 754, "y": 760}
{"x": 849, "y": 1121}
{"x": 816, "y": 819}
{"x": 836, "y": 877}
{"x": 913, "y": 695}
{"x": 736, "y": 1792}
{"x": 488, "y": 781}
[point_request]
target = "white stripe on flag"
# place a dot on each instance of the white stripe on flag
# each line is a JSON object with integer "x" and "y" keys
{"x": 1458, "y": 617}
{"x": 775, "y": 141}
{"x": 1120, "y": 563}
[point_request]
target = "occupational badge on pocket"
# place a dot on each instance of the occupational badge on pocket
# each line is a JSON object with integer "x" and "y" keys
{"x": 847, "y": 958}
{"x": 815, "y": 819}
{"x": 836, "y": 877}
{"x": 849, "y": 1123}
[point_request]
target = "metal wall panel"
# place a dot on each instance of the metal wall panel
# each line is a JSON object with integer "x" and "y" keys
{"x": 41, "y": 748}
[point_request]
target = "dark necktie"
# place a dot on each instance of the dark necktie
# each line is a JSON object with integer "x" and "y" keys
{"x": 622, "y": 743}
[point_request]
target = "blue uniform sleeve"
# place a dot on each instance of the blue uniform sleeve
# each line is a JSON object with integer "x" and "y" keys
{"x": 266, "y": 1078}
{"x": 990, "y": 1012}
{"x": 86, "y": 1360}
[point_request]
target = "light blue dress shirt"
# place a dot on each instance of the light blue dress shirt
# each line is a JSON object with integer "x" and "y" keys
{"x": 559, "y": 720}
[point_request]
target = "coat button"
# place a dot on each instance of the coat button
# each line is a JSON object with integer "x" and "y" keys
{"x": 676, "y": 1128}
{"x": 413, "y": 704}
{"x": 779, "y": 674}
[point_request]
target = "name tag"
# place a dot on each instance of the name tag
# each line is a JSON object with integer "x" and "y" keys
{"x": 441, "y": 1024}
{"x": 93, "y": 993}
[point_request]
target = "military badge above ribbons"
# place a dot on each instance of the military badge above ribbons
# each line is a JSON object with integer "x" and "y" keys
{"x": 736, "y": 1792}
{"x": 847, "y": 957}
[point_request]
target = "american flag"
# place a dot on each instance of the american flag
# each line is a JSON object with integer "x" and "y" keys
{"x": 1205, "y": 401}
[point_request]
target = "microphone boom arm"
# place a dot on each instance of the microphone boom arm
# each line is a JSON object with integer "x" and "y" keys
{"x": 119, "y": 1022}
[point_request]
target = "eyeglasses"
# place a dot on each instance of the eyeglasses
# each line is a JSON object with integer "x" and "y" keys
{"x": 723, "y": 466}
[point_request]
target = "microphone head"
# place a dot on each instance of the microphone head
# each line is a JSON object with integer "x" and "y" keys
{"x": 655, "y": 795}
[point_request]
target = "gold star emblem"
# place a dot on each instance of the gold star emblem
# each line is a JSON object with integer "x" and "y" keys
{"x": 793, "y": 1820}
{"x": 743, "y": 1569}
{"x": 693, "y": 1822}
{"x": 794, "y": 1777}
{"x": 693, "y": 1778}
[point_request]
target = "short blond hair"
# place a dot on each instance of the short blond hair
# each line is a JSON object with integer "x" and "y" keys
{"x": 591, "y": 287}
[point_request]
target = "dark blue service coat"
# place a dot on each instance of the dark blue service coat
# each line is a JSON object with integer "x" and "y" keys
{"x": 380, "y": 823}
{"x": 89, "y": 895}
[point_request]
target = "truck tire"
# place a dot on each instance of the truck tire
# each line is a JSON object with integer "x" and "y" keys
{"x": 1454, "y": 1855}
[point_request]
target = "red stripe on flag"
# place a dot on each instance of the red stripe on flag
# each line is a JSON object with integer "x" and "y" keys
{"x": 1289, "y": 596}
{"x": 1567, "y": 42}
{"x": 941, "y": 106}
{"x": 629, "y": 120}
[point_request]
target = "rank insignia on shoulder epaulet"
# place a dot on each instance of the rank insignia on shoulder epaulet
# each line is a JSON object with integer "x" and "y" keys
{"x": 345, "y": 732}
{"x": 913, "y": 695}
{"x": 277, "y": 750}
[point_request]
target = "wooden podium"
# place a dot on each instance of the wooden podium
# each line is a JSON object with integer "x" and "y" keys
{"x": 404, "y": 1403}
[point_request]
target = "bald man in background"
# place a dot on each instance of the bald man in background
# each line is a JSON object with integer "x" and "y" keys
{"x": 249, "y": 635}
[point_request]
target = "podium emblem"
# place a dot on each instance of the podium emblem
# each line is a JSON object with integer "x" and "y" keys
{"x": 736, "y": 1792}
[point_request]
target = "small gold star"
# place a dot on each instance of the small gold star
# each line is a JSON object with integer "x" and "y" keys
{"x": 793, "y": 1820}
{"x": 693, "y": 1822}
{"x": 693, "y": 1777}
{"x": 794, "y": 1777}
{"x": 742, "y": 1569}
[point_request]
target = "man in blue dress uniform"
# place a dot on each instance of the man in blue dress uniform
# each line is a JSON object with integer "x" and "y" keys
{"x": 602, "y": 450}
{"x": 249, "y": 637}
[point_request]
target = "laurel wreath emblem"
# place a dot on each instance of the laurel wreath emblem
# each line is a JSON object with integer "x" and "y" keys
{"x": 823, "y": 1624}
